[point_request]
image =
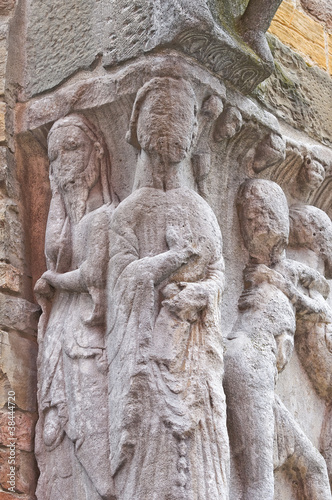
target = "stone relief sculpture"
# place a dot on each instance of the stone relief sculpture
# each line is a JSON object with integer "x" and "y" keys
{"x": 71, "y": 437}
{"x": 167, "y": 409}
{"x": 311, "y": 243}
{"x": 263, "y": 434}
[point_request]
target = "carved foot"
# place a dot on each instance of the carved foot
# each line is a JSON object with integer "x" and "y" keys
{"x": 258, "y": 43}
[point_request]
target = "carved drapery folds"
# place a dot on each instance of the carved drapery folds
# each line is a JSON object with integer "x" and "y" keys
{"x": 188, "y": 235}
{"x": 133, "y": 333}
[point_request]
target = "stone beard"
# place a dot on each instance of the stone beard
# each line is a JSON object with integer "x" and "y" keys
{"x": 71, "y": 436}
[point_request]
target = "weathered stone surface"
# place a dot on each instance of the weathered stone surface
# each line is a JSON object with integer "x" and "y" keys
{"x": 122, "y": 30}
{"x": 11, "y": 233}
{"x": 6, "y": 6}
{"x": 18, "y": 369}
{"x": 18, "y": 314}
{"x": 10, "y": 278}
{"x": 24, "y": 430}
{"x": 61, "y": 46}
{"x": 25, "y": 472}
{"x": 298, "y": 94}
{"x": 298, "y": 30}
{"x": 3, "y": 52}
{"x": 320, "y": 9}
{"x": 2, "y": 121}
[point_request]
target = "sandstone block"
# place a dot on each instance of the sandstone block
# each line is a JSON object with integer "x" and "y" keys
{"x": 18, "y": 314}
{"x": 2, "y": 121}
{"x": 18, "y": 370}
{"x": 54, "y": 51}
{"x": 11, "y": 232}
{"x": 23, "y": 432}
{"x": 25, "y": 471}
{"x": 299, "y": 31}
{"x": 10, "y": 278}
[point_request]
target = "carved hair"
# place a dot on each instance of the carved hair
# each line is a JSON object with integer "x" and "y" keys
{"x": 156, "y": 84}
{"x": 97, "y": 139}
{"x": 260, "y": 188}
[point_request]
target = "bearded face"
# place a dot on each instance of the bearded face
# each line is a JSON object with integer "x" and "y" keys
{"x": 69, "y": 151}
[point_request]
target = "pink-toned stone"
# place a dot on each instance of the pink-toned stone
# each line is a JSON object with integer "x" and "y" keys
{"x": 6, "y": 6}
{"x": 23, "y": 432}
{"x": 320, "y": 9}
{"x": 18, "y": 370}
{"x": 25, "y": 471}
{"x": 10, "y": 277}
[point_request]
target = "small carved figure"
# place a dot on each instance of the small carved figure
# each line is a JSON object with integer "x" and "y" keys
{"x": 168, "y": 432}
{"x": 311, "y": 243}
{"x": 263, "y": 434}
{"x": 255, "y": 22}
{"x": 71, "y": 436}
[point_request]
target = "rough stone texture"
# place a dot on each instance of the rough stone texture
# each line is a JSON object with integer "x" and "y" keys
{"x": 63, "y": 45}
{"x": 301, "y": 32}
{"x": 18, "y": 314}
{"x": 136, "y": 302}
{"x": 24, "y": 430}
{"x": 120, "y": 31}
{"x": 10, "y": 278}
{"x": 26, "y": 474}
{"x": 18, "y": 370}
{"x": 6, "y": 6}
{"x": 298, "y": 94}
{"x": 320, "y": 9}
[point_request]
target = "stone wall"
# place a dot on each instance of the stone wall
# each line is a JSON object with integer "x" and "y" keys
{"x": 18, "y": 312}
{"x": 249, "y": 126}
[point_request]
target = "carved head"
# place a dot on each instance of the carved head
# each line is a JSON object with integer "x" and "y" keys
{"x": 311, "y": 228}
{"x": 311, "y": 174}
{"x": 163, "y": 121}
{"x": 264, "y": 220}
{"x": 228, "y": 124}
{"x": 77, "y": 155}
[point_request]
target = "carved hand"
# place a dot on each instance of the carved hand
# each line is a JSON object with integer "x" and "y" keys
{"x": 255, "y": 274}
{"x": 189, "y": 302}
{"x": 179, "y": 238}
{"x": 43, "y": 288}
{"x": 51, "y": 277}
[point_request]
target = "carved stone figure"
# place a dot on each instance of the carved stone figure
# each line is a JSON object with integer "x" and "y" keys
{"x": 168, "y": 435}
{"x": 255, "y": 22}
{"x": 71, "y": 437}
{"x": 263, "y": 434}
{"x": 311, "y": 243}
